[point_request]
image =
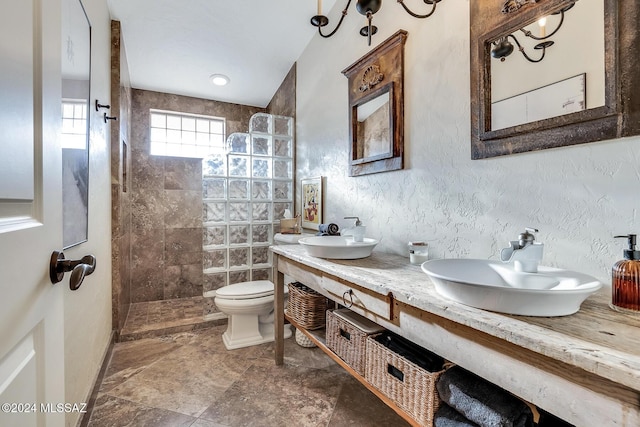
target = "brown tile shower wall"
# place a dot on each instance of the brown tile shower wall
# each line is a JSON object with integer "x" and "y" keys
{"x": 156, "y": 240}
{"x": 120, "y": 167}
{"x": 283, "y": 102}
{"x": 166, "y": 201}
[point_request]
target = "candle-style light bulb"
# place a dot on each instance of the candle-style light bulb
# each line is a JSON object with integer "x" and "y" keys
{"x": 542, "y": 22}
{"x": 319, "y": 7}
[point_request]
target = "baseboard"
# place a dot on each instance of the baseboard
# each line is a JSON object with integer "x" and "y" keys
{"x": 106, "y": 358}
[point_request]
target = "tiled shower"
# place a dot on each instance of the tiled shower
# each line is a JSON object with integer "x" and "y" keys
{"x": 167, "y": 280}
{"x": 159, "y": 284}
{"x": 177, "y": 257}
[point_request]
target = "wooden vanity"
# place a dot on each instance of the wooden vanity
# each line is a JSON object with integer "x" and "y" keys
{"x": 584, "y": 368}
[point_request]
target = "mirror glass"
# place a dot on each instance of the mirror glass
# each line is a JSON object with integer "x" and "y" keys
{"x": 569, "y": 78}
{"x": 76, "y": 72}
{"x": 373, "y": 133}
{"x": 376, "y": 108}
{"x": 608, "y": 44}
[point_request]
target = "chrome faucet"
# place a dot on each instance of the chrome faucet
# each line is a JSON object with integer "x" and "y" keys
{"x": 525, "y": 253}
{"x": 358, "y": 222}
{"x": 357, "y": 231}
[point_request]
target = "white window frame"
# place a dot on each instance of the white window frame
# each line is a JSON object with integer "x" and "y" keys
{"x": 74, "y": 126}
{"x": 177, "y": 134}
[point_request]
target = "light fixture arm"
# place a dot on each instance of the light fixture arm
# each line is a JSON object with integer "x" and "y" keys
{"x": 541, "y": 46}
{"x": 415, "y": 15}
{"x": 369, "y": 27}
{"x": 503, "y": 48}
{"x": 321, "y": 21}
{"x": 530, "y": 34}
{"x": 367, "y": 8}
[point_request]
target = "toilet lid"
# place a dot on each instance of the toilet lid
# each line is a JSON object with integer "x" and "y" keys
{"x": 246, "y": 290}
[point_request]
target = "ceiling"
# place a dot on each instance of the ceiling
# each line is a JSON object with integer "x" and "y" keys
{"x": 173, "y": 46}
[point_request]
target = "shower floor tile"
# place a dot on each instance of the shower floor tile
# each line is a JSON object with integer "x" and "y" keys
{"x": 190, "y": 379}
{"x": 156, "y": 318}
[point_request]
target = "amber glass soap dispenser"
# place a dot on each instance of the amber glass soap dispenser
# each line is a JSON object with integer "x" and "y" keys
{"x": 625, "y": 279}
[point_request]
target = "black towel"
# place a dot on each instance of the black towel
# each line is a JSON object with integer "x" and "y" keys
{"x": 446, "y": 416}
{"x": 411, "y": 351}
{"x": 482, "y": 402}
{"x": 328, "y": 230}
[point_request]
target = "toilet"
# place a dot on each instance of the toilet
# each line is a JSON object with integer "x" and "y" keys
{"x": 249, "y": 306}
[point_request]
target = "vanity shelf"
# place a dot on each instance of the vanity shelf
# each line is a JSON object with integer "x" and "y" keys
{"x": 318, "y": 338}
{"x": 589, "y": 362}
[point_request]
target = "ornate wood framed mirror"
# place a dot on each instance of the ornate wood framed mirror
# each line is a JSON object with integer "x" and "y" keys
{"x": 376, "y": 108}
{"x": 591, "y": 98}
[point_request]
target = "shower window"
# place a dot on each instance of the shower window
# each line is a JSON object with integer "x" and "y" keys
{"x": 185, "y": 135}
{"x": 246, "y": 189}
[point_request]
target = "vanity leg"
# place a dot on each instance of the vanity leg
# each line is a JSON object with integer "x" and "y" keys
{"x": 279, "y": 312}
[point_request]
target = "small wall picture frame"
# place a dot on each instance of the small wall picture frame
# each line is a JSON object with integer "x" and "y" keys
{"x": 311, "y": 202}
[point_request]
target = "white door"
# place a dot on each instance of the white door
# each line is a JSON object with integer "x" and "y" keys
{"x": 31, "y": 308}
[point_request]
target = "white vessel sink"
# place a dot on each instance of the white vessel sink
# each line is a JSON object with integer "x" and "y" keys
{"x": 337, "y": 247}
{"x": 496, "y": 286}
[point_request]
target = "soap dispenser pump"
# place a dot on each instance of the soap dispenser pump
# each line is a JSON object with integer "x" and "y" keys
{"x": 625, "y": 279}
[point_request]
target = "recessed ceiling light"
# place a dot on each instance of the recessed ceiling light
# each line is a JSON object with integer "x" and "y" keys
{"x": 219, "y": 79}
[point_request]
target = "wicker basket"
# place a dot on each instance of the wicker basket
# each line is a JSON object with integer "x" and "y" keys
{"x": 347, "y": 334}
{"x": 408, "y": 385}
{"x": 303, "y": 340}
{"x": 306, "y": 306}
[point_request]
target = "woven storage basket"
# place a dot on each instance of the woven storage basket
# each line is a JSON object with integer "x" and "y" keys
{"x": 347, "y": 335}
{"x": 408, "y": 385}
{"x": 306, "y": 306}
{"x": 303, "y": 340}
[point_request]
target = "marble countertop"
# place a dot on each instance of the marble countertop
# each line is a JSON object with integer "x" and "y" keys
{"x": 596, "y": 339}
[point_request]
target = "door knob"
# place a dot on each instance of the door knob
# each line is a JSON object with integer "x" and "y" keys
{"x": 78, "y": 268}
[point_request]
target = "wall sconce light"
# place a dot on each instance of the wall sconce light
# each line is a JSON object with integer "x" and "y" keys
{"x": 503, "y": 47}
{"x": 367, "y": 8}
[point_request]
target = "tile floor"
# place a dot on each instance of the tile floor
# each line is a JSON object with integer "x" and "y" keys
{"x": 190, "y": 379}
{"x": 155, "y": 318}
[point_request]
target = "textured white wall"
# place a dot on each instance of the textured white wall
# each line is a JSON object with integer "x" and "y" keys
{"x": 579, "y": 197}
{"x": 87, "y": 318}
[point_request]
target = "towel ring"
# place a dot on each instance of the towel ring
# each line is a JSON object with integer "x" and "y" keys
{"x": 344, "y": 298}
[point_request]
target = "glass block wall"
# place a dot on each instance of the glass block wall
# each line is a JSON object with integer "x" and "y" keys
{"x": 245, "y": 193}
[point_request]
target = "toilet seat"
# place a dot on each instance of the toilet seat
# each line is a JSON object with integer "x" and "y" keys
{"x": 246, "y": 290}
